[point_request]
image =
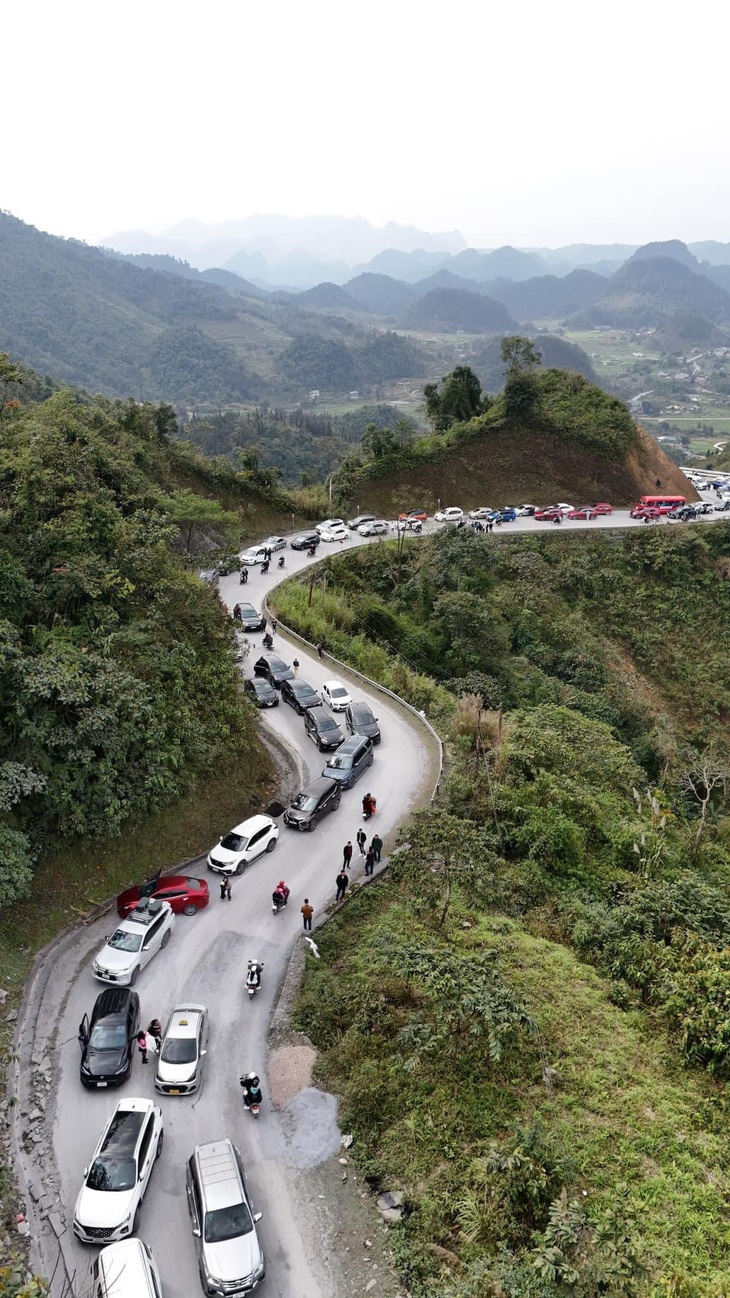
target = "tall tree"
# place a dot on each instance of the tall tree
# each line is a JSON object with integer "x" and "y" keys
{"x": 519, "y": 354}
{"x": 440, "y": 850}
{"x": 459, "y": 399}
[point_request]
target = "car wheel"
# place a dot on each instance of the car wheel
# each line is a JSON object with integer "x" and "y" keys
{"x": 313, "y": 823}
{"x": 166, "y": 938}
{"x": 135, "y": 1223}
{"x": 159, "y": 1144}
{"x": 240, "y": 867}
{"x": 135, "y": 976}
{"x": 271, "y": 844}
{"x": 190, "y": 909}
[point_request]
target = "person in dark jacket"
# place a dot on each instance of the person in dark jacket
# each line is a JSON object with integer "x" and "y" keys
{"x": 376, "y": 843}
{"x": 369, "y": 860}
{"x": 342, "y": 882}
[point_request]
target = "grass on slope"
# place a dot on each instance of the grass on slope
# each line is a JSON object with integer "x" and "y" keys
{"x": 622, "y": 1109}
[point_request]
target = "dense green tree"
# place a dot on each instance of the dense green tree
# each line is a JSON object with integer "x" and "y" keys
{"x": 440, "y": 850}
{"x": 459, "y": 399}
{"x": 519, "y": 354}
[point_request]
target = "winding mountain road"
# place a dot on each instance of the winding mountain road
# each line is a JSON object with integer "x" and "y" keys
{"x": 206, "y": 961}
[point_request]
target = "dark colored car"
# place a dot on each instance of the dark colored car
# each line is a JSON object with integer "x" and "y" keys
{"x": 508, "y": 515}
{"x": 186, "y": 895}
{"x": 304, "y": 540}
{"x": 351, "y": 760}
{"x": 300, "y": 696}
{"x": 263, "y": 694}
{"x": 307, "y": 809}
{"x": 322, "y": 728}
{"x": 360, "y": 721}
{"x": 251, "y": 619}
{"x": 354, "y": 523}
{"x": 108, "y": 1041}
{"x": 273, "y": 669}
{"x": 685, "y": 512}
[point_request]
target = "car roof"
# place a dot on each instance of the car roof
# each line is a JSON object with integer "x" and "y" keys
{"x": 351, "y": 743}
{"x": 184, "y": 1020}
{"x": 122, "y": 1134}
{"x": 258, "y": 683}
{"x": 113, "y": 1000}
{"x": 331, "y": 684}
{"x": 220, "y": 1177}
{"x": 247, "y": 605}
{"x": 142, "y": 916}
{"x": 272, "y": 658}
{"x": 318, "y": 786}
{"x": 360, "y": 703}
{"x": 299, "y": 686}
{"x": 319, "y": 713}
{"x": 250, "y": 826}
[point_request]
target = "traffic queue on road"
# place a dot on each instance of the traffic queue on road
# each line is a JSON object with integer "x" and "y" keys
{"x": 118, "y": 1174}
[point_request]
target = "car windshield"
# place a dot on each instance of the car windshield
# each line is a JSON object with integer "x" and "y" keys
{"x": 194, "y": 883}
{"x": 339, "y": 693}
{"x": 112, "y": 1174}
{"x": 339, "y": 763}
{"x": 123, "y": 941}
{"x": 233, "y": 843}
{"x": 304, "y": 802}
{"x": 328, "y": 723}
{"x": 227, "y": 1223}
{"x": 362, "y": 714}
{"x": 179, "y": 1050}
{"x": 108, "y": 1036}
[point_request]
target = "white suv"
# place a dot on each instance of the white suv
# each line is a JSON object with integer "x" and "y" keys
{"x": 116, "y": 1180}
{"x": 243, "y": 844}
{"x": 140, "y": 936}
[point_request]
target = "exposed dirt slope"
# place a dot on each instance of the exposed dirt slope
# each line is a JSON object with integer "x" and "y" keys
{"x": 499, "y": 470}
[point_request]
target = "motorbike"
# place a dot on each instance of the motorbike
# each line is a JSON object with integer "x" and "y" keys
{"x": 368, "y": 808}
{"x": 278, "y": 902}
{"x": 312, "y": 551}
{"x": 268, "y": 643}
{"x": 281, "y": 561}
{"x": 253, "y": 977}
{"x": 252, "y": 1095}
{"x": 558, "y": 518}
{"x": 243, "y": 576}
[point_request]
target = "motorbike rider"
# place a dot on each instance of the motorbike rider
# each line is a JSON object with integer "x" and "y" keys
{"x": 312, "y": 551}
{"x": 281, "y": 560}
{"x": 280, "y": 895}
{"x": 267, "y": 641}
{"x": 237, "y": 613}
{"x": 264, "y": 567}
{"x": 253, "y": 977}
{"x": 368, "y": 806}
{"x": 251, "y": 1090}
{"x": 243, "y": 576}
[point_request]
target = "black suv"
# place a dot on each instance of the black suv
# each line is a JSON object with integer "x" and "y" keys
{"x": 322, "y": 728}
{"x": 307, "y": 809}
{"x": 273, "y": 669}
{"x": 351, "y": 760}
{"x": 360, "y": 721}
{"x": 263, "y": 694}
{"x": 305, "y": 541}
{"x": 107, "y": 1042}
{"x": 251, "y": 619}
{"x": 300, "y": 696}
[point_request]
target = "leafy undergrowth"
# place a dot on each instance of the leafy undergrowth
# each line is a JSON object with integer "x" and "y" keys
{"x": 430, "y": 1112}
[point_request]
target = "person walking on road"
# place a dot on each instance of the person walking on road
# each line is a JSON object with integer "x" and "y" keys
{"x": 362, "y": 839}
{"x": 342, "y": 881}
{"x": 376, "y": 844}
{"x": 226, "y": 889}
{"x": 142, "y": 1045}
{"x": 369, "y": 860}
{"x": 347, "y": 855}
{"x": 154, "y": 1030}
{"x": 274, "y": 625}
{"x": 318, "y": 647}
{"x": 295, "y": 667}
{"x": 307, "y": 913}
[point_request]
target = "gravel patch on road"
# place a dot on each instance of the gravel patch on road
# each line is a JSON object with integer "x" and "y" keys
{"x": 290, "y": 1071}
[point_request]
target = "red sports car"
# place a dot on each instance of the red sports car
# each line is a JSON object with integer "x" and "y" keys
{"x": 186, "y": 895}
{"x": 413, "y": 516}
{"x": 585, "y": 512}
{"x": 548, "y": 515}
{"x": 602, "y": 508}
{"x": 646, "y": 511}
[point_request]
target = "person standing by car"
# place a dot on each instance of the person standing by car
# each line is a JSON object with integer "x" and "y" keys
{"x": 295, "y": 668}
{"x": 307, "y": 911}
{"x": 347, "y": 855}
{"x": 342, "y": 883}
{"x": 142, "y": 1045}
{"x": 226, "y": 889}
{"x": 154, "y": 1030}
{"x": 376, "y": 844}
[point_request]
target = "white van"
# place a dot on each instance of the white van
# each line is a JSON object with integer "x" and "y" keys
{"x": 125, "y": 1270}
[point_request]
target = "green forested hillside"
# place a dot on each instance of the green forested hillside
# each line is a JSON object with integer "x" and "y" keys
{"x": 527, "y": 1017}
{"x": 103, "y": 323}
{"x": 119, "y": 684}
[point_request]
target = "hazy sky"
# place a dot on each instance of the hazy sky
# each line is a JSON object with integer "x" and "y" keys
{"x": 529, "y": 123}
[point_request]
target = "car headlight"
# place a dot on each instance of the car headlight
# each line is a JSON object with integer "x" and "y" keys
{"x": 259, "y": 1271}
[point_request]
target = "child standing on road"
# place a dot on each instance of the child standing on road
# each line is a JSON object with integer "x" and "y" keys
{"x": 142, "y": 1046}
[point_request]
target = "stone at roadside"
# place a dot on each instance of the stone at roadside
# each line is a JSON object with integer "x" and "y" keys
{"x": 343, "y": 1161}
{"x": 370, "y": 1286}
{"x": 11, "y": 1017}
{"x": 390, "y": 1206}
{"x": 3, "y": 996}
{"x": 346, "y": 1141}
